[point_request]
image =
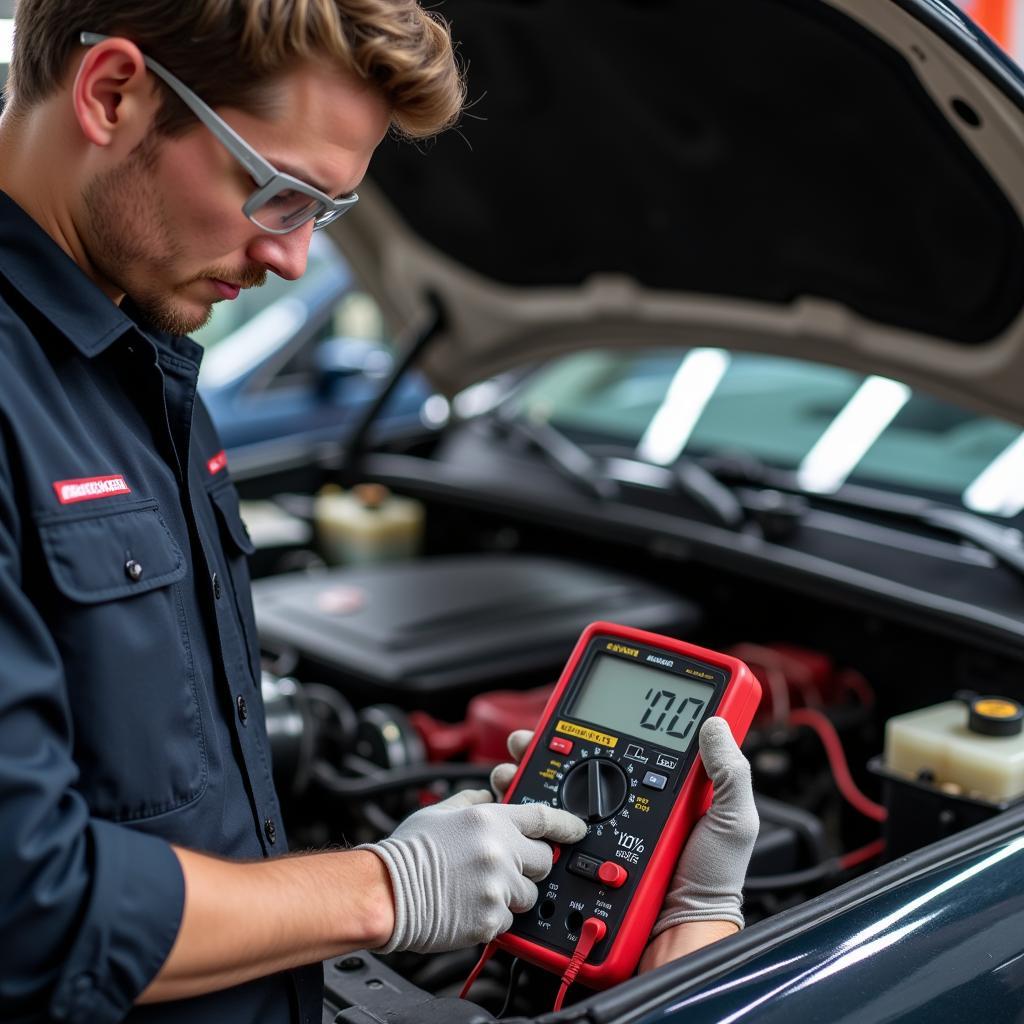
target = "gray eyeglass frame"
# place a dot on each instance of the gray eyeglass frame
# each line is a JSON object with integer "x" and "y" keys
{"x": 269, "y": 180}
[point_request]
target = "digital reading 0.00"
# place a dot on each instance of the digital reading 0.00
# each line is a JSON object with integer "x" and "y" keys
{"x": 643, "y": 701}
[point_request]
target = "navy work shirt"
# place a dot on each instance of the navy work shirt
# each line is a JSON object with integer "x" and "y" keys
{"x": 130, "y": 708}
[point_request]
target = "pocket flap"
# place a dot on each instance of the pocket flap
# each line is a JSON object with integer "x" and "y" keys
{"x": 225, "y": 501}
{"x": 111, "y": 555}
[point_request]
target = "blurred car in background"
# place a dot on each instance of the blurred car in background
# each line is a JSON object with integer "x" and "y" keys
{"x": 291, "y": 364}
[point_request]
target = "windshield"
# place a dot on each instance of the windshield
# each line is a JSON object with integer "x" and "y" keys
{"x": 828, "y": 425}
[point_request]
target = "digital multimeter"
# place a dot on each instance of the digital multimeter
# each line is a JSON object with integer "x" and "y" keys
{"x": 617, "y": 746}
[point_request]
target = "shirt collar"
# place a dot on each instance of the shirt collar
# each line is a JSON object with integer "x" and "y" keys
{"x": 56, "y": 286}
{"x": 178, "y": 344}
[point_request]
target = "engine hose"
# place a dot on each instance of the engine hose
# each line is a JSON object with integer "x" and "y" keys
{"x": 387, "y": 780}
{"x": 794, "y": 879}
{"x": 826, "y": 869}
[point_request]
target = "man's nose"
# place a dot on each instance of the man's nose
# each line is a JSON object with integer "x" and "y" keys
{"x": 284, "y": 255}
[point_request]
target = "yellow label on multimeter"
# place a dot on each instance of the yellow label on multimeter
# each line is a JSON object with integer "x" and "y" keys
{"x": 581, "y": 733}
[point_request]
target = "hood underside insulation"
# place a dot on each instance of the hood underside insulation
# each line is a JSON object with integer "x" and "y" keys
{"x": 761, "y": 149}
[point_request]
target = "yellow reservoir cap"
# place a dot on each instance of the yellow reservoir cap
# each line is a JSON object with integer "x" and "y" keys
{"x": 996, "y": 707}
{"x": 995, "y": 716}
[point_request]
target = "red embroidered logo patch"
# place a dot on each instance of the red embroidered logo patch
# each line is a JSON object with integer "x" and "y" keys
{"x": 217, "y": 463}
{"x": 90, "y": 488}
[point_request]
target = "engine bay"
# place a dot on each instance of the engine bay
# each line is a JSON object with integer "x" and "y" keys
{"x": 390, "y": 686}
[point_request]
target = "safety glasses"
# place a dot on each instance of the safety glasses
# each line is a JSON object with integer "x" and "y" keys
{"x": 281, "y": 203}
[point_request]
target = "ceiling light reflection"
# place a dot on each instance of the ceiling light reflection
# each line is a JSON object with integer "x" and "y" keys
{"x": 998, "y": 489}
{"x": 692, "y": 386}
{"x": 846, "y": 440}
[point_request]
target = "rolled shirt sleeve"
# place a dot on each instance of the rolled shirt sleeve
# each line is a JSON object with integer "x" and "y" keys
{"x": 89, "y": 909}
{"x": 134, "y": 892}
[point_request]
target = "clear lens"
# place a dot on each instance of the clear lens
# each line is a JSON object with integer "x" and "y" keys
{"x": 327, "y": 217}
{"x": 287, "y": 210}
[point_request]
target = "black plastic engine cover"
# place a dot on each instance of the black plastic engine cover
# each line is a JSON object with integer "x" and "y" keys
{"x": 417, "y": 632}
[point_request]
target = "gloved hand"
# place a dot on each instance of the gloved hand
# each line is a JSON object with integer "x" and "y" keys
{"x": 502, "y": 774}
{"x": 708, "y": 881}
{"x": 461, "y": 868}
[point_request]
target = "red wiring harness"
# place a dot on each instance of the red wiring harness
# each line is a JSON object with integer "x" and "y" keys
{"x": 826, "y": 732}
{"x": 868, "y": 852}
{"x": 800, "y": 677}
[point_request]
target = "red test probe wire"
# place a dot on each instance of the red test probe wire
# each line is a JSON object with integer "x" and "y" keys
{"x": 592, "y": 933}
{"x": 475, "y": 973}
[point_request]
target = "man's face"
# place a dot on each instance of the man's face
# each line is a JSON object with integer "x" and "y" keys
{"x": 166, "y": 226}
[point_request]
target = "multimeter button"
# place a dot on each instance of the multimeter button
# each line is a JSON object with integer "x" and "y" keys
{"x": 556, "y": 852}
{"x": 613, "y": 875}
{"x": 655, "y": 781}
{"x": 586, "y": 866}
{"x": 560, "y": 745}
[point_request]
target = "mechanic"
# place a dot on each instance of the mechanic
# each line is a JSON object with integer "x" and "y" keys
{"x": 140, "y": 835}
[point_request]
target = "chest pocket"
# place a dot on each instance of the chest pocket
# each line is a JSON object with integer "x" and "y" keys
{"x": 120, "y": 625}
{"x": 237, "y": 548}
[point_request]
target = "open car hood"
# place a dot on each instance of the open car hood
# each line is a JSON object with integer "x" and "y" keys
{"x": 840, "y": 180}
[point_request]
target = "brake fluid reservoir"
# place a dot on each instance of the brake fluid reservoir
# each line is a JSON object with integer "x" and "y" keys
{"x": 367, "y": 524}
{"x": 974, "y": 749}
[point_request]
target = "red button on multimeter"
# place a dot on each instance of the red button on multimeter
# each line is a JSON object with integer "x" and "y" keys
{"x": 617, "y": 746}
{"x": 612, "y": 874}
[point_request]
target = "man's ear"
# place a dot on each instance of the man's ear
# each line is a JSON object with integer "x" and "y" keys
{"x": 112, "y": 95}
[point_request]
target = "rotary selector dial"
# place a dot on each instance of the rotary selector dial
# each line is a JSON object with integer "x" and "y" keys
{"x": 595, "y": 789}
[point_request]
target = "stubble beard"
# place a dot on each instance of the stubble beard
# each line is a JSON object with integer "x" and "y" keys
{"x": 130, "y": 239}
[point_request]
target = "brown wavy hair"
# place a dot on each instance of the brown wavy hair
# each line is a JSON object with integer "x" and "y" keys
{"x": 231, "y": 51}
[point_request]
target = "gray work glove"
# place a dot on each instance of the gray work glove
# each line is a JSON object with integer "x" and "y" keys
{"x": 708, "y": 881}
{"x": 462, "y": 868}
{"x": 502, "y": 774}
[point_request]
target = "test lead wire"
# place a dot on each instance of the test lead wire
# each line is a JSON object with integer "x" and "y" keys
{"x": 592, "y": 933}
{"x": 475, "y": 973}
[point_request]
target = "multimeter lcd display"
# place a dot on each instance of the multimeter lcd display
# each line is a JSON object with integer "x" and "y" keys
{"x": 642, "y": 701}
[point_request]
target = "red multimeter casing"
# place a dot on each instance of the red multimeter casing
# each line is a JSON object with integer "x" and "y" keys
{"x": 613, "y": 747}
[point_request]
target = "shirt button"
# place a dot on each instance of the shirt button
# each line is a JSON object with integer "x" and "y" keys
{"x": 133, "y": 570}
{"x": 270, "y": 830}
{"x": 84, "y": 983}
{"x": 216, "y": 586}
{"x": 243, "y": 709}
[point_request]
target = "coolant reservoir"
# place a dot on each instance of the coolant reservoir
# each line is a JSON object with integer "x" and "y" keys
{"x": 367, "y": 524}
{"x": 974, "y": 749}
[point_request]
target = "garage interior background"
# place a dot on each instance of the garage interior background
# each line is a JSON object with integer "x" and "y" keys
{"x": 1002, "y": 19}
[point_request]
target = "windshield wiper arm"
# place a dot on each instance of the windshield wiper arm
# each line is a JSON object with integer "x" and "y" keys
{"x": 598, "y": 476}
{"x": 1002, "y": 542}
{"x": 710, "y": 493}
{"x": 564, "y": 455}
